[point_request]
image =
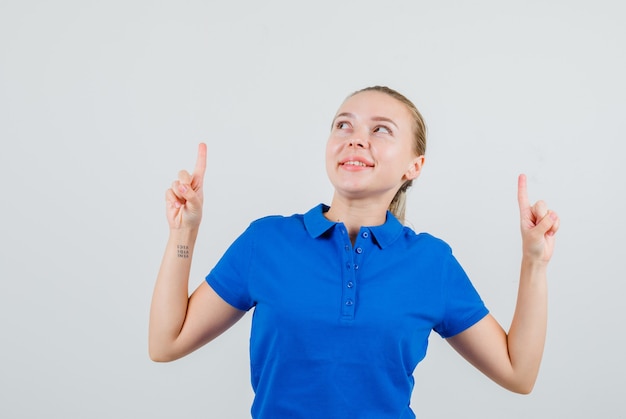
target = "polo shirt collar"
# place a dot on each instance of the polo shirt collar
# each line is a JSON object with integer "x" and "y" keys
{"x": 387, "y": 233}
{"x": 384, "y": 235}
{"x": 315, "y": 222}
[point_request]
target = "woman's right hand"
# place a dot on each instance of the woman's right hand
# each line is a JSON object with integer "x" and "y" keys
{"x": 185, "y": 197}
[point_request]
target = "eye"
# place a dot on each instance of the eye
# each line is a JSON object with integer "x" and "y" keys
{"x": 382, "y": 129}
{"x": 342, "y": 125}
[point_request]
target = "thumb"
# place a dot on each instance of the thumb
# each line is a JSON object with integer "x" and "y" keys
{"x": 193, "y": 200}
{"x": 548, "y": 224}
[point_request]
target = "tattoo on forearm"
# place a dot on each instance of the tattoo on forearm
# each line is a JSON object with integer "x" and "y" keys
{"x": 183, "y": 251}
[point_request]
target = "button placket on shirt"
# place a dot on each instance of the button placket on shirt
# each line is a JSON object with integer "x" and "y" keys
{"x": 353, "y": 257}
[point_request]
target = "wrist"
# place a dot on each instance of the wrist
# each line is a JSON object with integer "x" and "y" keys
{"x": 183, "y": 236}
{"x": 533, "y": 267}
{"x": 534, "y": 262}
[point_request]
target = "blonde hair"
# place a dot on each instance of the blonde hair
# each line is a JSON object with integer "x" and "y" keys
{"x": 398, "y": 203}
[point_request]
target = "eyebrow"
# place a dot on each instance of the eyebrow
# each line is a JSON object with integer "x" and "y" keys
{"x": 374, "y": 118}
{"x": 384, "y": 119}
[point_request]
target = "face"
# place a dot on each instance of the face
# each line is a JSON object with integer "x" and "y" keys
{"x": 370, "y": 152}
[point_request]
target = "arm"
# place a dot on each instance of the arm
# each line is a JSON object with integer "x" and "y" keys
{"x": 512, "y": 360}
{"x": 180, "y": 324}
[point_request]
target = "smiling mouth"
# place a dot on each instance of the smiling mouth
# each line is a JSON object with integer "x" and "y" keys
{"x": 354, "y": 163}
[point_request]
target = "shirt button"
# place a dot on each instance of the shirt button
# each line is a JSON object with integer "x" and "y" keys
{"x": 350, "y": 284}
{"x": 347, "y": 266}
{"x": 356, "y": 267}
{"x": 359, "y": 250}
{"x": 365, "y": 235}
{"x": 349, "y": 302}
{"x": 347, "y": 247}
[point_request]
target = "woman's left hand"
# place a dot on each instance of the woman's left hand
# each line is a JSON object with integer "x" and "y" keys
{"x": 538, "y": 225}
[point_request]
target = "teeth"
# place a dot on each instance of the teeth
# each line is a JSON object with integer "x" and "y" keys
{"x": 355, "y": 163}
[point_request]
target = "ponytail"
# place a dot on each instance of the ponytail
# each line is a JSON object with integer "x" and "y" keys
{"x": 398, "y": 203}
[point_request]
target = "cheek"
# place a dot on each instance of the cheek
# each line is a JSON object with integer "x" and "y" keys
{"x": 397, "y": 158}
{"x": 329, "y": 154}
{"x": 332, "y": 146}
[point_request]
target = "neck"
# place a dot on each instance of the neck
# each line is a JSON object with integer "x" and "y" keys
{"x": 355, "y": 214}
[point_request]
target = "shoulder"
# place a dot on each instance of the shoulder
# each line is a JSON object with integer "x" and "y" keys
{"x": 425, "y": 242}
{"x": 277, "y": 223}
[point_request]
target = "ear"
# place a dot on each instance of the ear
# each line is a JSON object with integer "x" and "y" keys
{"x": 415, "y": 168}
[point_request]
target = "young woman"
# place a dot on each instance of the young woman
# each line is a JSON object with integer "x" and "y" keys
{"x": 345, "y": 296}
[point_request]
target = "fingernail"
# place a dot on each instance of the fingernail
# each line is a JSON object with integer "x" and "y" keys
{"x": 553, "y": 216}
{"x": 182, "y": 188}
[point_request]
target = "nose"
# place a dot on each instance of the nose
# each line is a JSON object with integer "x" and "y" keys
{"x": 356, "y": 143}
{"x": 359, "y": 140}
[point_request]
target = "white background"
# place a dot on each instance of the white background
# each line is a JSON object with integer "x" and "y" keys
{"x": 101, "y": 103}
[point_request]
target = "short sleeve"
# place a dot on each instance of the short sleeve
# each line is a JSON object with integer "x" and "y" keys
{"x": 463, "y": 306}
{"x": 230, "y": 277}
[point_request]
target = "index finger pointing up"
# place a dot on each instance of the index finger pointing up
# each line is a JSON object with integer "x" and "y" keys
{"x": 522, "y": 194}
{"x": 198, "y": 171}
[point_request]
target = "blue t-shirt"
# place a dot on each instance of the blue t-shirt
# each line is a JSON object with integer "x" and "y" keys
{"x": 339, "y": 328}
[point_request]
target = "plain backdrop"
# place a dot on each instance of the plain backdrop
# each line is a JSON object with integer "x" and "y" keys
{"x": 102, "y": 103}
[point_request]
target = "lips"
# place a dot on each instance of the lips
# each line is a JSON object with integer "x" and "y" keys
{"x": 356, "y": 162}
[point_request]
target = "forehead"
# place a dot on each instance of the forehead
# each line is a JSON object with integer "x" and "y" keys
{"x": 376, "y": 104}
